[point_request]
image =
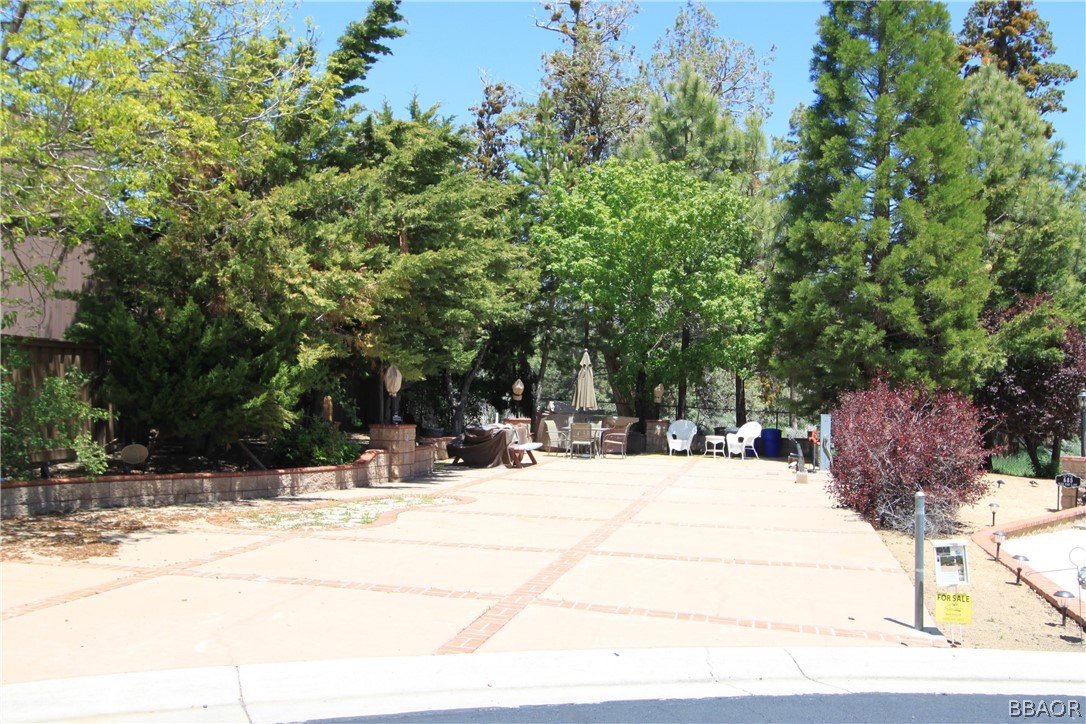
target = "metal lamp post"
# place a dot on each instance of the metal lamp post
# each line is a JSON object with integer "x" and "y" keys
{"x": 1082, "y": 431}
{"x": 518, "y": 393}
{"x": 393, "y": 380}
{"x": 993, "y": 507}
{"x": 658, "y": 396}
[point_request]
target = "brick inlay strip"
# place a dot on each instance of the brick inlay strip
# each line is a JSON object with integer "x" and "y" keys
{"x": 692, "y": 617}
{"x": 479, "y": 631}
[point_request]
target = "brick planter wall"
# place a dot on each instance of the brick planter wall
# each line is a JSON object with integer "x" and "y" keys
{"x": 64, "y": 495}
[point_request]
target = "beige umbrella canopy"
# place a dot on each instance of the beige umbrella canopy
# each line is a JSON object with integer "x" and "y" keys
{"x": 584, "y": 392}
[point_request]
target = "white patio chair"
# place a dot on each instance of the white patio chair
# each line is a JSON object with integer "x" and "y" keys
{"x": 744, "y": 437}
{"x": 680, "y": 436}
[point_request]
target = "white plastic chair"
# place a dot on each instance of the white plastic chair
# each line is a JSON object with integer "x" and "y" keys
{"x": 680, "y": 436}
{"x": 744, "y": 437}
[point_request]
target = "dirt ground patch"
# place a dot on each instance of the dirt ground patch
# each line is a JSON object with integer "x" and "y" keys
{"x": 98, "y": 533}
{"x": 1005, "y": 615}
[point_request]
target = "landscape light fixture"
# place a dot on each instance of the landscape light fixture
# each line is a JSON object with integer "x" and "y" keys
{"x": 518, "y": 393}
{"x": 999, "y": 483}
{"x": 1082, "y": 432}
{"x": 998, "y": 537}
{"x": 1018, "y": 574}
{"x": 658, "y": 396}
{"x": 393, "y": 381}
{"x": 1063, "y": 607}
{"x": 994, "y": 507}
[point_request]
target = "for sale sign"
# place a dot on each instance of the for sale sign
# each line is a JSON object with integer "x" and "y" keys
{"x": 953, "y": 608}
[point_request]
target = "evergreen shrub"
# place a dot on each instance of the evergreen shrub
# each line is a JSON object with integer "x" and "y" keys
{"x": 890, "y": 443}
{"x": 313, "y": 442}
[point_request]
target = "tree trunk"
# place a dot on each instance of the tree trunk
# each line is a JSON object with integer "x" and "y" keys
{"x": 1032, "y": 446}
{"x": 1057, "y": 445}
{"x": 740, "y": 401}
{"x": 680, "y": 406}
{"x": 544, "y": 355}
{"x": 460, "y": 400}
{"x": 623, "y": 404}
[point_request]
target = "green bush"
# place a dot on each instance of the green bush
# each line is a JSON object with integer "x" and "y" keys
{"x": 52, "y": 416}
{"x": 1019, "y": 464}
{"x": 313, "y": 442}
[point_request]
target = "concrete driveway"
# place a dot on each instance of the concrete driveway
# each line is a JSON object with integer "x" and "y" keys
{"x": 646, "y": 552}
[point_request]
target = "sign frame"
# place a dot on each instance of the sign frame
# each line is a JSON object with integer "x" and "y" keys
{"x": 951, "y": 562}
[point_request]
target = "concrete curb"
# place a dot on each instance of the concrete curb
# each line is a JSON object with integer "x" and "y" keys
{"x": 383, "y": 686}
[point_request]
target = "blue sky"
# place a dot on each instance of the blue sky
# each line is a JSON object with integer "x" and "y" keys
{"x": 452, "y": 45}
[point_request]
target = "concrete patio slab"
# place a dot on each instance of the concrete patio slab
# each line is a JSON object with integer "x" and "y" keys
{"x": 450, "y": 525}
{"x": 564, "y": 488}
{"x": 820, "y": 597}
{"x": 176, "y": 621}
{"x": 777, "y": 517}
{"x": 567, "y": 554}
{"x": 562, "y": 507}
{"x": 155, "y": 549}
{"x": 543, "y": 628}
{"x": 24, "y": 583}
{"x": 414, "y": 565}
{"x": 813, "y": 547}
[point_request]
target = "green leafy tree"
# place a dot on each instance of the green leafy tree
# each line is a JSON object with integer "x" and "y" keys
{"x": 456, "y": 277}
{"x": 122, "y": 112}
{"x": 220, "y": 316}
{"x": 1012, "y": 36}
{"x": 882, "y": 268}
{"x": 53, "y": 415}
{"x": 1029, "y": 211}
{"x": 596, "y": 101}
{"x": 492, "y": 156}
{"x": 650, "y": 258}
{"x": 688, "y": 125}
{"x": 734, "y": 74}
{"x": 1031, "y": 397}
{"x": 1032, "y": 238}
{"x": 361, "y": 44}
{"x": 685, "y": 124}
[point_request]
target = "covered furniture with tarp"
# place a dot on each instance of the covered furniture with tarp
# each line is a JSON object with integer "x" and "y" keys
{"x": 482, "y": 447}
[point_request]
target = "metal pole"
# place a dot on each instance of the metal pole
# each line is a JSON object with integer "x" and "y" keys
{"x": 1082, "y": 435}
{"x": 918, "y": 599}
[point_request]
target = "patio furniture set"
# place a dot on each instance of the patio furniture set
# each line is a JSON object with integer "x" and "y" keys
{"x": 590, "y": 438}
{"x": 680, "y": 438}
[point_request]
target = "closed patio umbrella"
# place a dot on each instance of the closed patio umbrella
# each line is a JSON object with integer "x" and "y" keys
{"x": 584, "y": 392}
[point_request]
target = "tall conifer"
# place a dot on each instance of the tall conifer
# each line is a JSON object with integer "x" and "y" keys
{"x": 882, "y": 268}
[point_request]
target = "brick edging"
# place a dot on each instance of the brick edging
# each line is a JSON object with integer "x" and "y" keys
{"x": 373, "y": 468}
{"x": 1033, "y": 578}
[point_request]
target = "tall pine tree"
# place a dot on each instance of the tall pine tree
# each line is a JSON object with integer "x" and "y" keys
{"x": 882, "y": 270}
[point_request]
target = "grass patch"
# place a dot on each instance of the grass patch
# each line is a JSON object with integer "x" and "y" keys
{"x": 355, "y": 513}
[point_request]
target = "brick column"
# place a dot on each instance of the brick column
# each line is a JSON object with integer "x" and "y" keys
{"x": 656, "y": 436}
{"x": 1076, "y": 465}
{"x": 399, "y": 441}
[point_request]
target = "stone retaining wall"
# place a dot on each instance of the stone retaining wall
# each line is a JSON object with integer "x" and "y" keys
{"x": 64, "y": 495}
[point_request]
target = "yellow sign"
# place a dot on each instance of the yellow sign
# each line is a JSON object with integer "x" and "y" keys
{"x": 953, "y": 608}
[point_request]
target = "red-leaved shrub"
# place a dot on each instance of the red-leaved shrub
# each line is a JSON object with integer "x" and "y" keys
{"x": 890, "y": 443}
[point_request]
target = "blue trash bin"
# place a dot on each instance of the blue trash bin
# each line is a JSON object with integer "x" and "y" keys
{"x": 771, "y": 442}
